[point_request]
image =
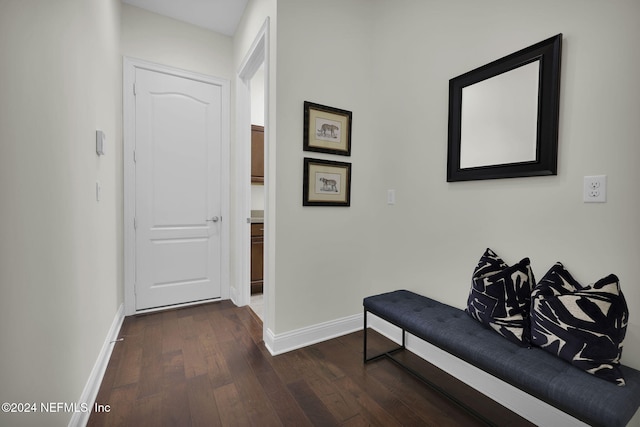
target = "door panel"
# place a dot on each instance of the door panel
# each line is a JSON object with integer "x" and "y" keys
{"x": 178, "y": 144}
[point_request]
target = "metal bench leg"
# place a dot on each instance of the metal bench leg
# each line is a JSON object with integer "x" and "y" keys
{"x": 386, "y": 353}
{"x": 365, "y": 337}
{"x": 426, "y": 381}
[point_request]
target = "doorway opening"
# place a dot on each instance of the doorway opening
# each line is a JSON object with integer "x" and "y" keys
{"x": 252, "y": 89}
{"x": 176, "y": 254}
{"x": 258, "y": 170}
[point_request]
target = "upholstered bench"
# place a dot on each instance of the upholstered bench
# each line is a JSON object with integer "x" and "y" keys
{"x": 540, "y": 374}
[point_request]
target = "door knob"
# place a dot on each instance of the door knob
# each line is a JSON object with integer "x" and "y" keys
{"x": 213, "y": 219}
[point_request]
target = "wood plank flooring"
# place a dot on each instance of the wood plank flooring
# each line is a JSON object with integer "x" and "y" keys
{"x": 207, "y": 366}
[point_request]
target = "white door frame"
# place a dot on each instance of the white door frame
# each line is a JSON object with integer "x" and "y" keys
{"x": 129, "y": 72}
{"x": 257, "y": 54}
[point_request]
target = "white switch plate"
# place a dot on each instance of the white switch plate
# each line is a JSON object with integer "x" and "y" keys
{"x": 595, "y": 189}
{"x": 98, "y": 191}
{"x": 100, "y": 140}
{"x": 391, "y": 197}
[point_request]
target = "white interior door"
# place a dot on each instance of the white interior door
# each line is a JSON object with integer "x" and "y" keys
{"x": 178, "y": 215}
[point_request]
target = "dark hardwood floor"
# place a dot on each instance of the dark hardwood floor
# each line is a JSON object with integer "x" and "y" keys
{"x": 207, "y": 365}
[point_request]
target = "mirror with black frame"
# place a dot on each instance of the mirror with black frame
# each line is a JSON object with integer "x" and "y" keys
{"x": 503, "y": 116}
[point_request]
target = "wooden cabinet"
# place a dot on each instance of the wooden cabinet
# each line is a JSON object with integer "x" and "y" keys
{"x": 257, "y": 154}
{"x": 257, "y": 233}
{"x": 257, "y": 251}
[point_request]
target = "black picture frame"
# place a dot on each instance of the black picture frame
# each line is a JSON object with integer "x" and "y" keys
{"x": 326, "y": 183}
{"x": 549, "y": 53}
{"x": 326, "y": 129}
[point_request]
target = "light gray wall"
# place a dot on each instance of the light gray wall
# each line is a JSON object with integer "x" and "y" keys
{"x": 156, "y": 38}
{"x": 324, "y": 256}
{"x": 390, "y": 63}
{"x": 60, "y": 249}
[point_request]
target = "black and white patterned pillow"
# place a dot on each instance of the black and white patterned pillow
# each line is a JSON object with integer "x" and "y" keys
{"x": 584, "y": 325}
{"x": 500, "y": 296}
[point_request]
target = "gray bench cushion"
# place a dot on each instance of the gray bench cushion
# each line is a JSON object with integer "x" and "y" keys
{"x": 549, "y": 378}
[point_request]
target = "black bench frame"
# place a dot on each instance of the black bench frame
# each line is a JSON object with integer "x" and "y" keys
{"x": 390, "y": 355}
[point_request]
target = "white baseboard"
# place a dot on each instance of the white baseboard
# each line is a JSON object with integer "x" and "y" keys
{"x": 233, "y": 296}
{"x": 282, "y": 343}
{"x": 516, "y": 400}
{"x": 90, "y": 392}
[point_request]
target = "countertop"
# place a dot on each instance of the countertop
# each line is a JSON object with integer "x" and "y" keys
{"x": 257, "y": 217}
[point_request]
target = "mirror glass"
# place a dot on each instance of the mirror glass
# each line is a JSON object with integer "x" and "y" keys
{"x": 499, "y": 119}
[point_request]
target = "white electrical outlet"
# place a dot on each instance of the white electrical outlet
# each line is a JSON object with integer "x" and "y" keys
{"x": 595, "y": 189}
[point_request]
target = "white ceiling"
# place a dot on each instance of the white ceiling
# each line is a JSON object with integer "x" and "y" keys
{"x": 221, "y": 16}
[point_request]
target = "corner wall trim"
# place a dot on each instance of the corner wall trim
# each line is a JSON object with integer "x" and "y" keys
{"x": 288, "y": 341}
{"x": 90, "y": 392}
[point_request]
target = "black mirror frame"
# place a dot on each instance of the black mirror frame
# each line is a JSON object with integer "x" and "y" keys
{"x": 549, "y": 53}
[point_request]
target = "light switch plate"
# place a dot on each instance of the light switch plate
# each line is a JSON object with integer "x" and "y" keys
{"x": 391, "y": 197}
{"x": 100, "y": 139}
